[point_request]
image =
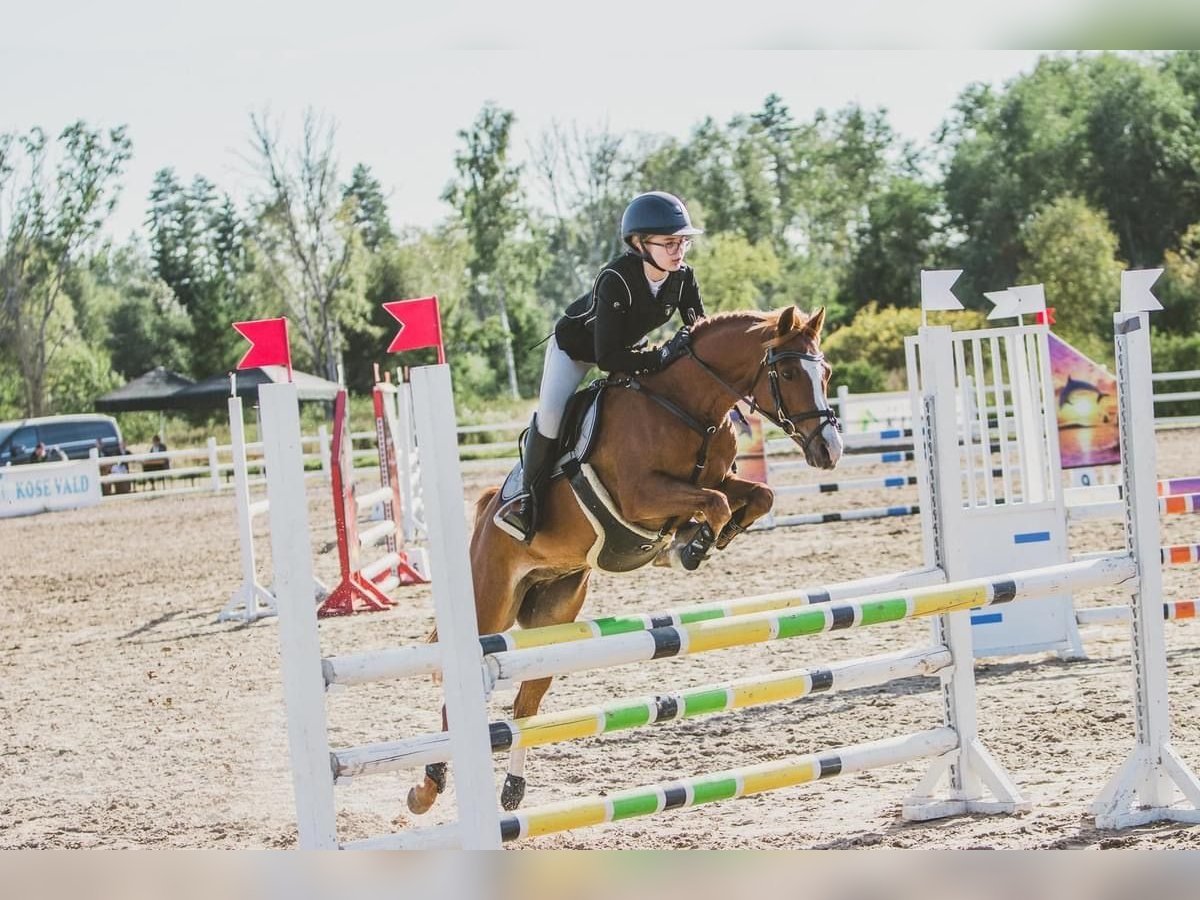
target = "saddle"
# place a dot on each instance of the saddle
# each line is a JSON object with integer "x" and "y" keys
{"x": 619, "y": 546}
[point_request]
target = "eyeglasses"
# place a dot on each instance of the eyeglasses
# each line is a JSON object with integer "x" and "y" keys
{"x": 675, "y": 245}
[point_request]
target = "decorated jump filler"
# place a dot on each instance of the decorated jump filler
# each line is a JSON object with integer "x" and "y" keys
{"x": 1085, "y": 390}
{"x": 420, "y": 325}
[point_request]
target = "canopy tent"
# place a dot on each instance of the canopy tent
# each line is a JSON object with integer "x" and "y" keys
{"x": 211, "y": 393}
{"x": 151, "y": 391}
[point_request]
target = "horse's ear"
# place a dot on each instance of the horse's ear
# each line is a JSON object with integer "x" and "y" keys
{"x": 815, "y": 322}
{"x": 787, "y": 321}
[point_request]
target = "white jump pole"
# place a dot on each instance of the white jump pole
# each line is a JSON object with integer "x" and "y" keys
{"x": 300, "y": 647}
{"x": 244, "y": 604}
{"x": 1144, "y": 788}
{"x": 454, "y": 608}
{"x": 969, "y": 771}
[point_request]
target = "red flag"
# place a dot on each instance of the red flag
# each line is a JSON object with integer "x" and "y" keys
{"x": 1047, "y": 317}
{"x": 268, "y": 344}
{"x": 420, "y": 325}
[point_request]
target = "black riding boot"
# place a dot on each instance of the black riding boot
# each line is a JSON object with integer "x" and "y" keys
{"x": 519, "y": 516}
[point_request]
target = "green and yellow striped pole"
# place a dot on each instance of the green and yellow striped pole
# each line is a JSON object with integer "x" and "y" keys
{"x": 699, "y": 637}
{"x": 619, "y": 715}
{"x": 727, "y": 785}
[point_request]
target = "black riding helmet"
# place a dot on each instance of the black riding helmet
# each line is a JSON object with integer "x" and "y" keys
{"x": 655, "y": 212}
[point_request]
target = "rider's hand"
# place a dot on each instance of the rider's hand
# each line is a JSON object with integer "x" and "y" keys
{"x": 677, "y": 346}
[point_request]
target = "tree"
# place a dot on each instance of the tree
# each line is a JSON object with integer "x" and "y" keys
{"x": 146, "y": 323}
{"x": 369, "y": 209}
{"x": 1144, "y": 150}
{"x": 735, "y": 274}
{"x": 897, "y": 240}
{"x": 51, "y": 221}
{"x": 1179, "y": 289}
{"x": 778, "y": 134}
{"x": 487, "y": 196}
{"x": 588, "y": 178}
{"x": 198, "y": 250}
{"x": 1070, "y": 248}
{"x": 1118, "y": 132}
{"x": 306, "y": 235}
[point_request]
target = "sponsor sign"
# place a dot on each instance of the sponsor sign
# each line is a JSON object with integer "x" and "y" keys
{"x": 42, "y": 487}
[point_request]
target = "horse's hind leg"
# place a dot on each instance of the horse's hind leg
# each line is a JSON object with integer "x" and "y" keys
{"x": 548, "y": 603}
{"x": 421, "y": 796}
{"x": 494, "y": 573}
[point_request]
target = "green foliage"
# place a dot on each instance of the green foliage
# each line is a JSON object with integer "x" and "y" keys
{"x": 199, "y": 251}
{"x": 140, "y": 318}
{"x": 876, "y": 335}
{"x": 369, "y": 209}
{"x": 1173, "y": 352}
{"x": 897, "y": 240}
{"x": 47, "y": 223}
{"x": 1179, "y": 287}
{"x": 1069, "y": 247}
{"x": 81, "y": 373}
{"x": 487, "y": 196}
{"x": 734, "y": 273}
{"x": 860, "y": 376}
{"x": 1113, "y": 130}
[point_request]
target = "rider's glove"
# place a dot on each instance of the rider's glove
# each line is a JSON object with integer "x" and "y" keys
{"x": 677, "y": 346}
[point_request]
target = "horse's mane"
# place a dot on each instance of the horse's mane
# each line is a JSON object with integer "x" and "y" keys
{"x": 765, "y": 323}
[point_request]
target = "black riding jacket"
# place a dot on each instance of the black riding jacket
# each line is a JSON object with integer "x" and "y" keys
{"x": 604, "y": 325}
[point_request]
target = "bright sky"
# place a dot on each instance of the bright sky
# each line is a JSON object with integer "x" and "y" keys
{"x": 401, "y": 84}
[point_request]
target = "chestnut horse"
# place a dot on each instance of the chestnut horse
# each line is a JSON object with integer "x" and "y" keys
{"x": 662, "y": 472}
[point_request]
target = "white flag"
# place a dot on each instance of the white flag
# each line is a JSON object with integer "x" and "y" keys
{"x": 935, "y": 289}
{"x": 1135, "y": 290}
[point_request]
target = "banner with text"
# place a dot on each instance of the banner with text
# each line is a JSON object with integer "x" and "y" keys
{"x": 42, "y": 487}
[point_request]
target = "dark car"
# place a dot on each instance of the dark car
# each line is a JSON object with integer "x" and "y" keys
{"x": 75, "y": 435}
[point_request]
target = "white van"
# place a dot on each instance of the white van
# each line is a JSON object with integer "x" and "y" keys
{"x": 75, "y": 435}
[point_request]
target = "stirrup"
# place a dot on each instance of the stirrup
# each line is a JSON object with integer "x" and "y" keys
{"x": 525, "y": 535}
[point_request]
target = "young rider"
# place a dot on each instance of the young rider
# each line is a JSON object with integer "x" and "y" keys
{"x": 630, "y": 297}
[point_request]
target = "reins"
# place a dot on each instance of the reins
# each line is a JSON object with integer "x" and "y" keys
{"x": 781, "y": 418}
{"x": 789, "y": 424}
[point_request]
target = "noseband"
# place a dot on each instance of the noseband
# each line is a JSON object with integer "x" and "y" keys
{"x": 788, "y": 423}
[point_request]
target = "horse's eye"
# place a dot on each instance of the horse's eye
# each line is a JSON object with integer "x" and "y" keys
{"x": 788, "y": 374}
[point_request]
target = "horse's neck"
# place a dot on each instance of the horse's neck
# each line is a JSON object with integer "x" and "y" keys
{"x": 731, "y": 353}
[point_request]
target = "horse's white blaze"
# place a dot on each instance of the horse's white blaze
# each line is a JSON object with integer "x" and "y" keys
{"x": 815, "y": 370}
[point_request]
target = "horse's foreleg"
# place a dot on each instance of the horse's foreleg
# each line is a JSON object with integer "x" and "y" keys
{"x": 529, "y": 698}
{"x": 495, "y": 567}
{"x": 750, "y": 500}
{"x": 657, "y": 497}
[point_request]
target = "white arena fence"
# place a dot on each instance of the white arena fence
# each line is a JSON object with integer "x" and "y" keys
{"x": 207, "y": 469}
{"x": 210, "y": 468}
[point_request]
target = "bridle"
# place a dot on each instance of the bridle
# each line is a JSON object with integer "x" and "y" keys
{"x": 790, "y": 424}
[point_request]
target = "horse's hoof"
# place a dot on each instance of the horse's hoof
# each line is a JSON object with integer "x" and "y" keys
{"x": 513, "y": 792}
{"x": 419, "y": 801}
{"x": 690, "y": 559}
